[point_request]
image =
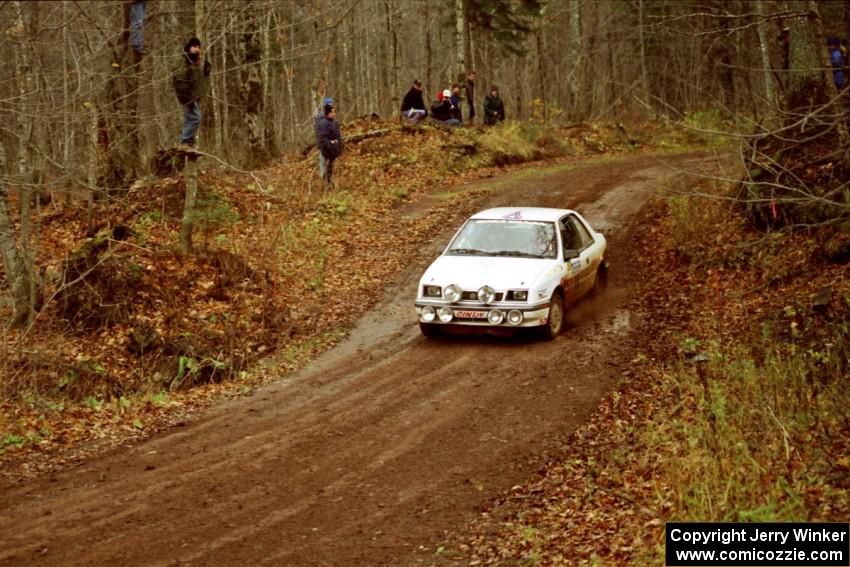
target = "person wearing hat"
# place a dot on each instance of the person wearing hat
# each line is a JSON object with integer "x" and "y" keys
{"x": 319, "y": 116}
{"x": 191, "y": 83}
{"x": 329, "y": 141}
{"x": 413, "y": 107}
{"x": 443, "y": 111}
{"x": 494, "y": 108}
{"x": 836, "y": 58}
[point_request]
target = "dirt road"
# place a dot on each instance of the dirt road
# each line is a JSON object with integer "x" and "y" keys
{"x": 370, "y": 454}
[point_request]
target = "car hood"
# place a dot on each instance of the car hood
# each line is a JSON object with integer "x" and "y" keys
{"x": 472, "y": 272}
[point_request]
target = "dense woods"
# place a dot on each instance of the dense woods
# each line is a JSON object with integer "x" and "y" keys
{"x": 86, "y": 113}
{"x": 144, "y": 278}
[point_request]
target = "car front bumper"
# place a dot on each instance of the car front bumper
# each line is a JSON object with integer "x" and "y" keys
{"x": 532, "y": 315}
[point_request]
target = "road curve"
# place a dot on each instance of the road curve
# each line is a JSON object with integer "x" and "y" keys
{"x": 371, "y": 453}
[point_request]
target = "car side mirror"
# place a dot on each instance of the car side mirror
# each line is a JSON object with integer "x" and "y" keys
{"x": 570, "y": 254}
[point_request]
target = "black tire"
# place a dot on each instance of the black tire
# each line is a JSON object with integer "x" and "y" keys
{"x": 600, "y": 284}
{"x": 555, "y": 320}
{"x": 430, "y": 330}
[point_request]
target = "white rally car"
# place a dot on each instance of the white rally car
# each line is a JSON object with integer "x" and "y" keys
{"x": 512, "y": 267}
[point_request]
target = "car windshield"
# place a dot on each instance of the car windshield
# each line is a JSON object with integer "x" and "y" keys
{"x": 521, "y": 239}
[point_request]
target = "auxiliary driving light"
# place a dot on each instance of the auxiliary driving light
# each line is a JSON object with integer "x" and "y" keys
{"x": 515, "y": 317}
{"x": 428, "y": 314}
{"x": 452, "y": 293}
{"x": 486, "y": 295}
{"x": 445, "y": 314}
{"x": 495, "y": 317}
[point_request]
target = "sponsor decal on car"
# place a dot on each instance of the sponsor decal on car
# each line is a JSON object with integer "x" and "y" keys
{"x": 513, "y": 216}
{"x": 471, "y": 314}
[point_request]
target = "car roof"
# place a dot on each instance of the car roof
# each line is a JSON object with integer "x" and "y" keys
{"x": 522, "y": 213}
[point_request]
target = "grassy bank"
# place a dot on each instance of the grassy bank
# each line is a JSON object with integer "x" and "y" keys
{"x": 736, "y": 409}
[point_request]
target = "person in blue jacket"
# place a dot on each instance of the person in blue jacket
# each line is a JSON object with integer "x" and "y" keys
{"x": 836, "y": 58}
{"x": 329, "y": 141}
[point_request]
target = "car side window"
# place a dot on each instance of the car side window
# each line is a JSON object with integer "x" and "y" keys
{"x": 569, "y": 236}
{"x": 584, "y": 235}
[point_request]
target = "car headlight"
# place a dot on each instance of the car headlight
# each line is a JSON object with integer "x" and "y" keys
{"x": 433, "y": 291}
{"x": 428, "y": 314}
{"x": 520, "y": 295}
{"x": 445, "y": 314}
{"x": 495, "y": 317}
{"x": 452, "y": 293}
{"x": 486, "y": 295}
{"x": 515, "y": 317}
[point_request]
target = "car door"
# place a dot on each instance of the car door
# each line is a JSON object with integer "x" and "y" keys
{"x": 571, "y": 244}
{"x": 592, "y": 254}
{"x": 585, "y": 265}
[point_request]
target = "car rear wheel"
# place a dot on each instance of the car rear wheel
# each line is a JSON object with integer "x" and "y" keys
{"x": 555, "y": 321}
{"x": 430, "y": 330}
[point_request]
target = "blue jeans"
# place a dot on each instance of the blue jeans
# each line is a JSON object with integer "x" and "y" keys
{"x": 191, "y": 123}
{"x": 414, "y": 115}
{"x": 137, "y": 25}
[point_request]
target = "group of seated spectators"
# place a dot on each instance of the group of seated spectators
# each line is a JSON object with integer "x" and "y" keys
{"x": 446, "y": 109}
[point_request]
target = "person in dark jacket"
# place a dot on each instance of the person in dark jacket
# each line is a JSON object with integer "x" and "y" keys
{"x": 470, "y": 95}
{"x": 443, "y": 111}
{"x": 191, "y": 83}
{"x": 320, "y": 115}
{"x": 413, "y": 107}
{"x": 329, "y": 140}
{"x": 494, "y": 108}
{"x": 458, "y": 115}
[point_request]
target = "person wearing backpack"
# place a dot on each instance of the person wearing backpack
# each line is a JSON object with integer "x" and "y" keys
{"x": 329, "y": 141}
{"x": 320, "y": 115}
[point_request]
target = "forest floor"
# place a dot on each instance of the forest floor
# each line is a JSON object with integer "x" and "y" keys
{"x": 380, "y": 444}
{"x": 386, "y": 448}
{"x": 133, "y": 337}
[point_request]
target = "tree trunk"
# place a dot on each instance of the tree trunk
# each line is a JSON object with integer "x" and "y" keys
{"x": 644, "y": 75}
{"x": 18, "y": 276}
{"x": 460, "y": 44}
{"x": 764, "y": 48}
{"x": 252, "y": 86}
{"x": 190, "y": 173}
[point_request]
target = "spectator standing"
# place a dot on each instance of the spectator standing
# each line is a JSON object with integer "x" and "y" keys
{"x": 494, "y": 108}
{"x": 837, "y": 59}
{"x": 320, "y": 115}
{"x": 456, "y": 113}
{"x": 191, "y": 83}
{"x": 329, "y": 140}
{"x": 470, "y": 96}
{"x": 138, "y": 9}
{"x": 413, "y": 107}
{"x": 443, "y": 111}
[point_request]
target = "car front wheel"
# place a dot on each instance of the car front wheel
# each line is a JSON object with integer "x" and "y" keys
{"x": 555, "y": 321}
{"x": 600, "y": 284}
